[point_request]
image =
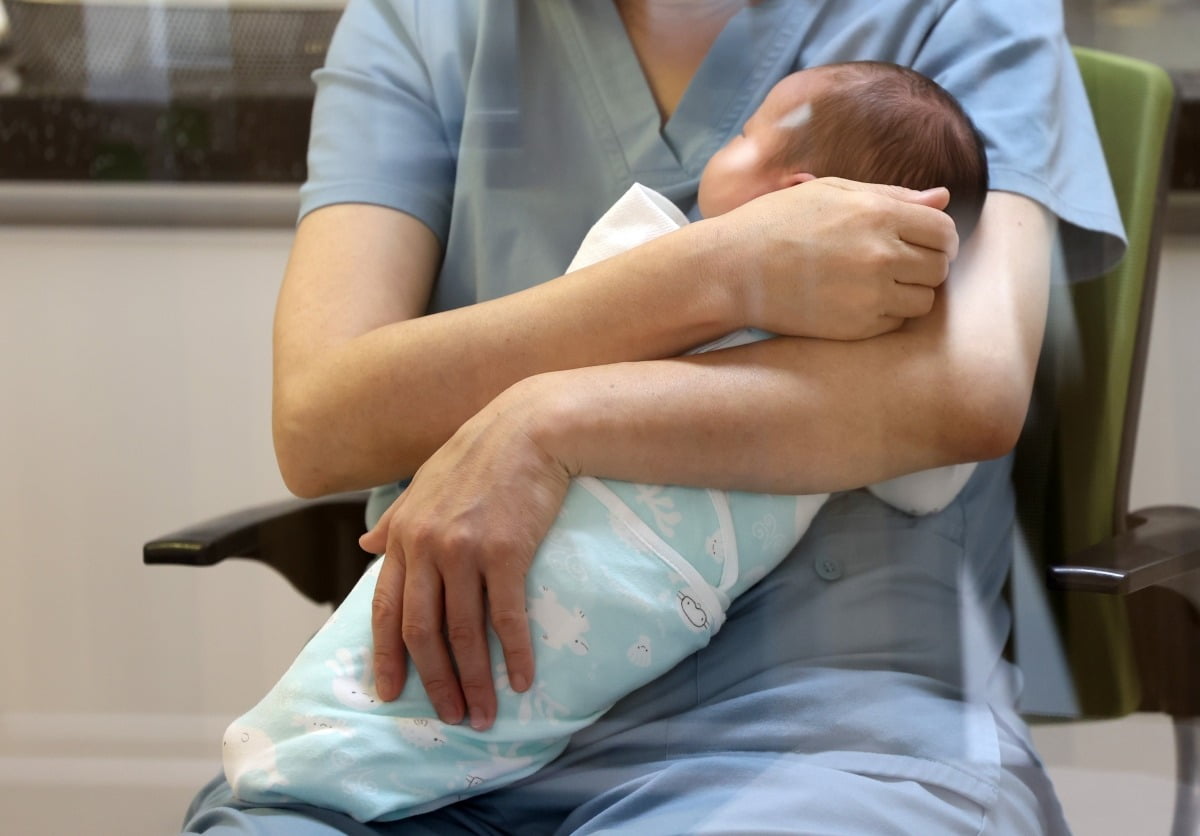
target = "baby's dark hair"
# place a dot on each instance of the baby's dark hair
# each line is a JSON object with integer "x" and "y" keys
{"x": 884, "y": 123}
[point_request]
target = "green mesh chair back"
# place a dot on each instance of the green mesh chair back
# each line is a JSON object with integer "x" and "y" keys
{"x": 1100, "y": 386}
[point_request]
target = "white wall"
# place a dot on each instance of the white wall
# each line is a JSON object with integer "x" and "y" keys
{"x": 134, "y": 383}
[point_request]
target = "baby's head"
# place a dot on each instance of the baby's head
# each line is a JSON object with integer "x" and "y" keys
{"x": 862, "y": 120}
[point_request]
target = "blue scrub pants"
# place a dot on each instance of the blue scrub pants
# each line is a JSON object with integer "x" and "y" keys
{"x": 858, "y": 689}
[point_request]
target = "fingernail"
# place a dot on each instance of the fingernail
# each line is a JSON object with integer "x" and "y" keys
{"x": 478, "y": 720}
{"x": 383, "y": 685}
{"x": 518, "y": 682}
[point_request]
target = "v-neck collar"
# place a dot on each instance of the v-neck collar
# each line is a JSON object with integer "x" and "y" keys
{"x": 753, "y": 44}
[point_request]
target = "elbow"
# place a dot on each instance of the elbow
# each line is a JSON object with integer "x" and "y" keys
{"x": 299, "y": 483}
{"x": 299, "y": 451}
{"x": 993, "y": 437}
{"x": 988, "y": 424}
{"x": 300, "y": 476}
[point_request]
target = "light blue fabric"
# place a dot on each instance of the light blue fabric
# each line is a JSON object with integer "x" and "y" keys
{"x": 873, "y": 700}
{"x": 612, "y": 605}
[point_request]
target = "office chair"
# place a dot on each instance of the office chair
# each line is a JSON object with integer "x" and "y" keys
{"x": 1123, "y": 586}
{"x": 1127, "y": 591}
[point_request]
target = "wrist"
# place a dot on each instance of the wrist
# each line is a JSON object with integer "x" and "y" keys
{"x": 717, "y": 264}
{"x": 543, "y": 409}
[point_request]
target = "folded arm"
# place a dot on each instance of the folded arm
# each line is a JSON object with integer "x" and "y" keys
{"x": 795, "y": 415}
{"x": 366, "y": 388}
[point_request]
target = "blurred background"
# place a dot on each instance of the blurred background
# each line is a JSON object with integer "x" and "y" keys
{"x": 149, "y": 159}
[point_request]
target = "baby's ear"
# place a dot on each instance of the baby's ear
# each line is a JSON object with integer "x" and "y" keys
{"x": 795, "y": 178}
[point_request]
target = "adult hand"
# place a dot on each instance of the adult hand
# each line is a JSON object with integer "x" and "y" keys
{"x": 458, "y": 543}
{"x": 838, "y": 259}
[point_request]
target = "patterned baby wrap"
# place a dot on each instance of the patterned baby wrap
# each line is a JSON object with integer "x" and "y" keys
{"x": 612, "y": 604}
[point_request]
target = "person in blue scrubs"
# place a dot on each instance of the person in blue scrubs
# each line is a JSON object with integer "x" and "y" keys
{"x": 631, "y": 579}
{"x": 424, "y": 339}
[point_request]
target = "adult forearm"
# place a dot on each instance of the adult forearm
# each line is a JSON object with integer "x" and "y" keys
{"x": 800, "y": 416}
{"x": 366, "y": 388}
{"x": 787, "y": 416}
{"x": 369, "y": 408}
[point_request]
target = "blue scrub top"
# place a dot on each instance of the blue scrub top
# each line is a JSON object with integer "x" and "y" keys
{"x": 509, "y": 127}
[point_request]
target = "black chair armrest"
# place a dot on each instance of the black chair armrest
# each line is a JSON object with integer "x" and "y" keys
{"x": 312, "y": 543}
{"x": 1161, "y": 545}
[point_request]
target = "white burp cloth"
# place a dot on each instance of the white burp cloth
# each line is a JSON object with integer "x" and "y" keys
{"x": 640, "y": 215}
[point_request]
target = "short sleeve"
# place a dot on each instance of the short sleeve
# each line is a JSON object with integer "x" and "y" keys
{"x": 1010, "y": 65}
{"x": 379, "y": 130}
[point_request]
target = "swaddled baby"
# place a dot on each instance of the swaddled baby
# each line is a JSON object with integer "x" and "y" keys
{"x": 631, "y": 578}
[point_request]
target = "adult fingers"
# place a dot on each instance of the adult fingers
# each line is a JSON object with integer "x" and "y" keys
{"x": 935, "y": 198}
{"x": 882, "y": 324}
{"x": 390, "y": 659}
{"x": 919, "y": 266}
{"x": 930, "y": 230}
{"x": 906, "y": 301}
{"x": 467, "y": 633}
{"x": 916, "y": 225}
{"x": 375, "y": 540}
{"x": 506, "y": 605}
{"x": 421, "y": 629}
